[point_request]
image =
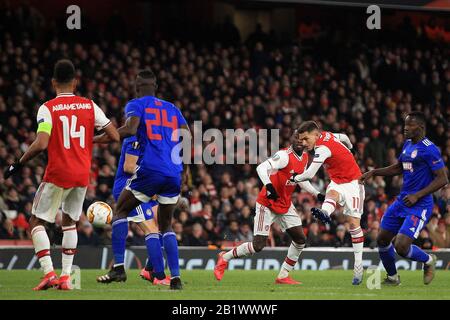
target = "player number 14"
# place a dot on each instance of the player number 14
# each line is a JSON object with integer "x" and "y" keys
{"x": 72, "y": 132}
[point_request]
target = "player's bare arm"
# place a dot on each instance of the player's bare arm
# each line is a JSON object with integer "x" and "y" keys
{"x": 129, "y": 165}
{"x": 393, "y": 170}
{"x": 110, "y": 134}
{"x": 440, "y": 180}
{"x": 186, "y": 168}
{"x": 39, "y": 145}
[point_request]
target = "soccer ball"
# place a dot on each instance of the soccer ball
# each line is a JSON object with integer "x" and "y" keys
{"x": 99, "y": 214}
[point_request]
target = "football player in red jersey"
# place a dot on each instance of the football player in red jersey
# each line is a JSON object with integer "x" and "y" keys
{"x": 332, "y": 151}
{"x": 65, "y": 129}
{"x": 274, "y": 204}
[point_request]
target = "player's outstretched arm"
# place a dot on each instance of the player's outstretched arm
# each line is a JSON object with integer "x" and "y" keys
{"x": 38, "y": 145}
{"x": 112, "y": 134}
{"x": 309, "y": 173}
{"x": 393, "y": 170}
{"x": 308, "y": 187}
{"x": 130, "y": 127}
{"x": 321, "y": 154}
{"x": 438, "y": 182}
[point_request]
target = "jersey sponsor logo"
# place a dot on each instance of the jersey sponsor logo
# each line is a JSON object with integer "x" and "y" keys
{"x": 316, "y": 155}
{"x": 290, "y": 183}
{"x": 40, "y": 121}
{"x": 414, "y": 154}
{"x": 408, "y": 166}
{"x": 412, "y": 229}
{"x": 437, "y": 161}
{"x": 72, "y": 106}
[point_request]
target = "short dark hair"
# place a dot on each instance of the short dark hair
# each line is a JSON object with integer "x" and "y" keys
{"x": 146, "y": 74}
{"x": 418, "y": 116}
{"x": 308, "y": 126}
{"x": 64, "y": 71}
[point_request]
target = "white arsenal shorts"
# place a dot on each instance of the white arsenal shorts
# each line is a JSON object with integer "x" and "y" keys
{"x": 49, "y": 198}
{"x": 351, "y": 197}
{"x": 264, "y": 218}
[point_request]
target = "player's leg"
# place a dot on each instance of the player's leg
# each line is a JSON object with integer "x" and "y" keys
{"x": 292, "y": 224}
{"x": 332, "y": 197}
{"x": 352, "y": 195}
{"x": 45, "y": 206}
{"x": 170, "y": 243}
{"x": 72, "y": 206}
{"x": 390, "y": 225}
{"x": 154, "y": 268}
{"x": 170, "y": 189}
{"x": 295, "y": 250}
{"x": 126, "y": 203}
{"x": 263, "y": 220}
{"x": 404, "y": 246}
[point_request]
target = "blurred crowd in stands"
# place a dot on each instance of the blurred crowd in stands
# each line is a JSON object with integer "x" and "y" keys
{"x": 359, "y": 88}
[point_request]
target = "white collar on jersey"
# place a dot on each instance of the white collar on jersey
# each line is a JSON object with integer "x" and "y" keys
{"x": 291, "y": 149}
{"x": 65, "y": 94}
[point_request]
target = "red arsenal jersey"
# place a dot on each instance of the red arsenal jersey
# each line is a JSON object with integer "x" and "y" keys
{"x": 72, "y": 121}
{"x": 338, "y": 160}
{"x": 280, "y": 181}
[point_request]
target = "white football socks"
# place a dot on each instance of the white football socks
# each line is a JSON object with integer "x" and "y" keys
{"x": 69, "y": 245}
{"x": 41, "y": 245}
{"x": 358, "y": 244}
{"x": 328, "y": 206}
{"x": 243, "y": 250}
{"x": 294, "y": 252}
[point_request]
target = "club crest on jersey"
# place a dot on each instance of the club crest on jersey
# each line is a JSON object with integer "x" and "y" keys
{"x": 414, "y": 154}
{"x": 149, "y": 212}
{"x": 408, "y": 166}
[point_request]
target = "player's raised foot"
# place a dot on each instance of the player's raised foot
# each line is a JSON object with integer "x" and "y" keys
{"x": 220, "y": 267}
{"x": 162, "y": 282}
{"x": 429, "y": 270}
{"x": 64, "y": 283}
{"x": 319, "y": 214}
{"x": 175, "y": 283}
{"x": 287, "y": 280}
{"x": 50, "y": 280}
{"x": 147, "y": 275}
{"x": 358, "y": 274}
{"x": 391, "y": 281}
{"x": 116, "y": 274}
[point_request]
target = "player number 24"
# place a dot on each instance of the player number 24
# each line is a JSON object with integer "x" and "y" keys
{"x": 70, "y": 131}
{"x": 160, "y": 120}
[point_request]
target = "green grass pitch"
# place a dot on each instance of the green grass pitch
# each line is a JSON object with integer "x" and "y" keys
{"x": 245, "y": 285}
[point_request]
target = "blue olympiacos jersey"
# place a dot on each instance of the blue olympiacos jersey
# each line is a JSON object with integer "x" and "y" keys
{"x": 130, "y": 146}
{"x": 159, "y": 119}
{"x": 419, "y": 161}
